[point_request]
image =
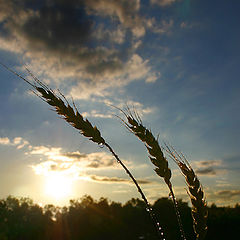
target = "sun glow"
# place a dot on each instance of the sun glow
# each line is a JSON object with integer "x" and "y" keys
{"x": 58, "y": 186}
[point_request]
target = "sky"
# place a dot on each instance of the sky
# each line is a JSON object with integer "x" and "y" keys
{"x": 175, "y": 61}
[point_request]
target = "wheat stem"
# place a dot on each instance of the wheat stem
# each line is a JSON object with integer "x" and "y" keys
{"x": 134, "y": 124}
{"x": 74, "y": 118}
{"x": 149, "y": 209}
{"x": 195, "y": 192}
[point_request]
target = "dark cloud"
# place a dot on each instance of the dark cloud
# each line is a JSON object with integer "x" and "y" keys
{"x": 207, "y": 163}
{"x": 206, "y": 171}
{"x": 75, "y": 155}
{"x": 99, "y": 163}
{"x": 82, "y": 40}
{"x": 163, "y": 3}
{"x": 210, "y": 168}
{"x": 62, "y": 29}
{"x": 115, "y": 180}
{"x": 228, "y": 193}
{"x": 58, "y": 26}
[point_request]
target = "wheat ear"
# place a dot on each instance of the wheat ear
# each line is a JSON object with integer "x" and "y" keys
{"x": 134, "y": 124}
{"x": 87, "y": 130}
{"x": 74, "y": 118}
{"x": 195, "y": 191}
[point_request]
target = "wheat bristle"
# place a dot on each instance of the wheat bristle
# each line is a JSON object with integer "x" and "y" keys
{"x": 195, "y": 191}
{"x": 72, "y": 116}
{"x": 134, "y": 124}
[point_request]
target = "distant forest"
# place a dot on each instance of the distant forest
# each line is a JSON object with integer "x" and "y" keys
{"x": 88, "y": 219}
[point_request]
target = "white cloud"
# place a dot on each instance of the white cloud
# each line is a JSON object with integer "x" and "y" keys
{"x": 140, "y": 109}
{"x": 135, "y": 69}
{"x": 152, "y": 78}
{"x": 17, "y": 141}
{"x": 126, "y": 12}
{"x": 91, "y": 160}
{"x": 4, "y": 141}
{"x": 97, "y": 114}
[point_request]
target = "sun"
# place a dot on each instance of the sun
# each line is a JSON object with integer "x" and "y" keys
{"x": 58, "y": 186}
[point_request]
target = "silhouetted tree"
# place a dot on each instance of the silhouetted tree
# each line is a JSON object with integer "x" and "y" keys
{"x": 88, "y": 219}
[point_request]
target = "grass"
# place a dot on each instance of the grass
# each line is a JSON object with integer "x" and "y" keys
{"x": 71, "y": 115}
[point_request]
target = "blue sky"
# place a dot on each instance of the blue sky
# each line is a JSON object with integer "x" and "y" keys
{"x": 175, "y": 61}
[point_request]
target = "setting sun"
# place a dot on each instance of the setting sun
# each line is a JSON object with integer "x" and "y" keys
{"x": 58, "y": 186}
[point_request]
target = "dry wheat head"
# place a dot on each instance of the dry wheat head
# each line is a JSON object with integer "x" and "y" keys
{"x": 71, "y": 115}
{"x": 134, "y": 124}
{"x": 195, "y": 191}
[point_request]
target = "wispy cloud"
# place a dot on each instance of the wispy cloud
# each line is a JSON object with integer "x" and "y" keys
{"x": 206, "y": 171}
{"x": 116, "y": 180}
{"x": 18, "y": 142}
{"x": 209, "y": 168}
{"x": 228, "y": 193}
{"x": 163, "y": 3}
{"x": 223, "y": 196}
{"x": 57, "y": 159}
{"x": 4, "y": 141}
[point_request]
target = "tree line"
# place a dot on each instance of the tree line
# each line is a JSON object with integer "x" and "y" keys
{"x": 89, "y": 219}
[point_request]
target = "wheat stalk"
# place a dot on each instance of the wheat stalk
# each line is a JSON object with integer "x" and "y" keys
{"x": 134, "y": 123}
{"x": 195, "y": 191}
{"x": 73, "y": 117}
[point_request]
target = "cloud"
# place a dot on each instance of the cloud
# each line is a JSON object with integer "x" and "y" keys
{"x": 116, "y": 180}
{"x": 97, "y": 114}
{"x": 77, "y": 165}
{"x": 141, "y": 110}
{"x": 209, "y": 163}
{"x": 57, "y": 157}
{"x": 222, "y": 183}
{"x": 162, "y": 3}
{"x": 66, "y": 42}
{"x": 4, "y": 141}
{"x": 125, "y": 11}
{"x": 209, "y": 168}
{"x": 108, "y": 112}
{"x": 99, "y": 160}
{"x": 134, "y": 69}
{"x": 17, "y": 141}
{"x": 228, "y": 193}
{"x": 206, "y": 171}
{"x": 74, "y": 164}
{"x": 224, "y": 195}
{"x": 164, "y": 27}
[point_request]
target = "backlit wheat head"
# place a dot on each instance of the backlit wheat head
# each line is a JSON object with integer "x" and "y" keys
{"x": 73, "y": 117}
{"x": 134, "y": 123}
{"x": 195, "y": 191}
